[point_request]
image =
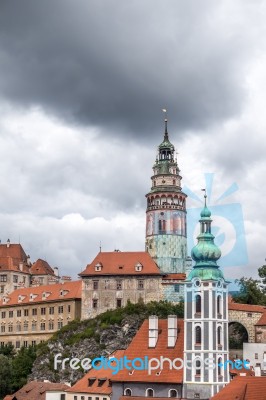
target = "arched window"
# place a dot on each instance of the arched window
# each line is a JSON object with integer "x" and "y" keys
{"x": 218, "y": 305}
{"x": 220, "y": 361}
{"x": 198, "y": 334}
{"x": 198, "y": 369}
{"x": 198, "y": 304}
{"x": 149, "y": 393}
{"x": 219, "y": 336}
{"x": 172, "y": 393}
{"x": 127, "y": 392}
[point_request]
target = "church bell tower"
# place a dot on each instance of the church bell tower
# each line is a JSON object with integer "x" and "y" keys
{"x": 166, "y": 226}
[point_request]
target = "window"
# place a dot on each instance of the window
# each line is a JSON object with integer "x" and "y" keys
{"x": 82, "y": 397}
{"x": 18, "y": 327}
{"x": 10, "y": 328}
{"x": 172, "y": 393}
{"x": 97, "y": 398}
{"x": 3, "y": 278}
{"x": 75, "y": 397}
{"x": 60, "y": 309}
{"x": 17, "y": 345}
{"x": 140, "y": 284}
{"x": 2, "y": 289}
{"x": 218, "y": 305}
{"x": 68, "y": 308}
{"x": 219, "y": 336}
{"x": 18, "y": 313}
{"x": 3, "y": 328}
{"x": 3, "y": 314}
{"x": 10, "y": 314}
{"x": 51, "y": 310}
{"x": 34, "y": 326}
{"x": 198, "y": 369}
{"x": 118, "y": 285}
{"x": 198, "y": 304}
{"x": 51, "y": 325}
{"x": 34, "y": 311}
{"x": 43, "y": 311}
{"x": 60, "y": 324}
{"x": 89, "y": 398}
{"x": 198, "y": 334}
{"x": 127, "y": 392}
{"x": 15, "y": 279}
{"x": 149, "y": 393}
{"x": 26, "y": 313}
{"x": 33, "y": 342}
{"x": 220, "y": 363}
{"x": 26, "y": 326}
{"x": 94, "y": 303}
{"x": 107, "y": 284}
{"x": 118, "y": 303}
{"x": 42, "y": 326}
{"x": 249, "y": 314}
{"x": 25, "y": 343}
{"x": 256, "y": 356}
{"x": 177, "y": 287}
{"x": 62, "y": 397}
{"x": 95, "y": 285}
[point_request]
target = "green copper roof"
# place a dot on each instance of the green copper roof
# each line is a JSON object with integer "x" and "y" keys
{"x": 205, "y": 253}
{"x": 206, "y": 274}
{"x": 166, "y": 144}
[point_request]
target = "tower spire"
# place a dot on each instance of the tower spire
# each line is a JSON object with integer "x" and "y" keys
{"x": 165, "y": 124}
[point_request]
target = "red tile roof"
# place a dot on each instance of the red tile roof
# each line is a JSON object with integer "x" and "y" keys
{"x": 82, "y": 385}
{"x": 139, "y": 347}
{"x": 246, "y": 307}
{"x": 41, "y": 267}
{"x": 69, "y": 290}
{"x": 262, "y": 320}
{"x": 36, "y": 390}
{"x": 11, "y": 256}
{"x": 243, "y": 388}
{"x": 122, "y": 263}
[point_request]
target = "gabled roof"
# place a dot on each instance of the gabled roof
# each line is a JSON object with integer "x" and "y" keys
{"x": 41, "y": 267}
{"x": 100, "y": 380}
{"x": 122, "y": 263}
{"x": 36, "y": 390}
{"x": 139, "y": 347}
{"x": 262, "y": 320}
{"x": 246, "y": 307}
{"x": 243, "y": 388}
{"x": 59, "y": 291}
{"x": 11, "y": 255}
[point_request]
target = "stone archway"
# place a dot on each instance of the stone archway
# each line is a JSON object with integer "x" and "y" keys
{"x": 238, "y": 334}
{"x": 248, "y": 319}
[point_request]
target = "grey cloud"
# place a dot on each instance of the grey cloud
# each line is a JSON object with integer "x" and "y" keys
{"x": 115, "y": 64}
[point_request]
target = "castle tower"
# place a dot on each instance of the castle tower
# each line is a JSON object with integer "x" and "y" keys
{"x": 206, "y": 318}
{"x": 166, "y": 230}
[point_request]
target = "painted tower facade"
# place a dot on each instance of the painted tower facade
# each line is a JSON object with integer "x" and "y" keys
{"x": 166, "y": 226}
{"x": 206, "y": 318}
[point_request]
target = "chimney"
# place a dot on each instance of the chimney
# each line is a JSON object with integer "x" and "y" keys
{"x": 56, "y": 271}
{"x": 172, "y": 330}
{"x": 8, "y": 243}
{"x": 153, "y": 330}
{"x": 21, "y": 266}
{"x": 28, "y": 260}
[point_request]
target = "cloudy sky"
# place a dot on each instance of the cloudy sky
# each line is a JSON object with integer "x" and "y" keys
{"x": 82, "y": 85}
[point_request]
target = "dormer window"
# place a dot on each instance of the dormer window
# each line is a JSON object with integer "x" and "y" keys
{"x": 138, "y": 267}
{"x": 98, "y": 267}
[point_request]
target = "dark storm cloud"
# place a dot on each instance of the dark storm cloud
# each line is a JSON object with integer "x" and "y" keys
{"x": 115, "y": 64}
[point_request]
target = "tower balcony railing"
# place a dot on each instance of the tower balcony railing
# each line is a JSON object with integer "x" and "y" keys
{"x": 166, "y": 206}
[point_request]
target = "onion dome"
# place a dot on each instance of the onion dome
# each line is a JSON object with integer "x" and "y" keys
{"x": 206, "y": 253}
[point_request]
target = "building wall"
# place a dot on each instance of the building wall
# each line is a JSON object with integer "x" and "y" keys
{"x": 115, "y": 291}
{"x": 139, "y": 389}
{"x": 37, "y": 321}
{"x": 247, "y": 319}
{"x": 12, "y": 280}
{"x": 254, "y": 352}
{"x": 260, "y": 334}
{"x": 85, "y": 396}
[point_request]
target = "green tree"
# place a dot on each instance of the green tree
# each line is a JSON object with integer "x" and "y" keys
{"x": 250, "y": 292}
{"x": 5, "y": 376}
{"x": 262, "y": 273}
{"x": 21, "y": 366}
{"x": 7, "y": 350}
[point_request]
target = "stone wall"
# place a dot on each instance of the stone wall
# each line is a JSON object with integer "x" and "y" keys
{"x": 247, "y": 319}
